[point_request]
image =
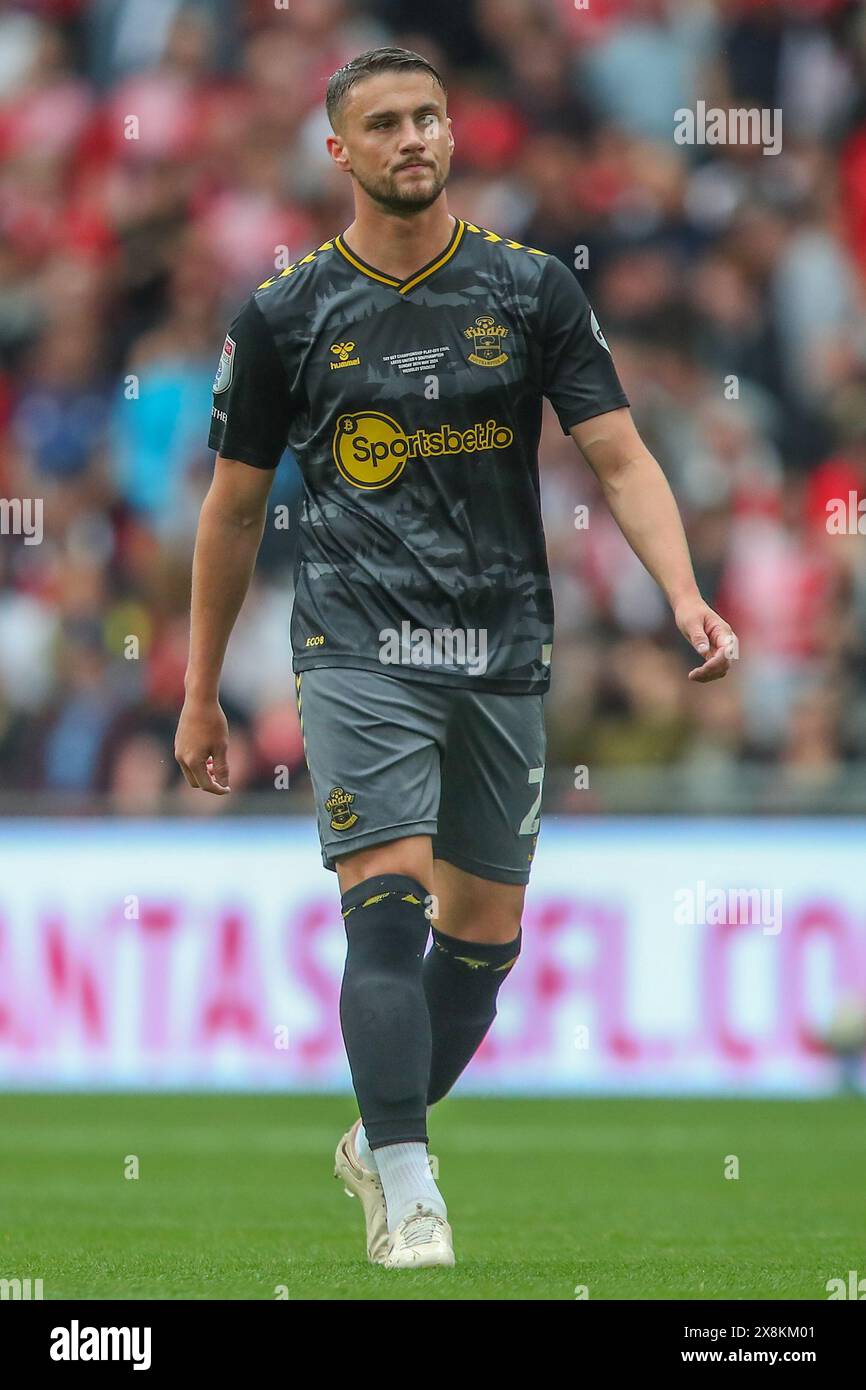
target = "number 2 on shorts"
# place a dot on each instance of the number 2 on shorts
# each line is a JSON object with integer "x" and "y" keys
{"x": 531, "y": 821}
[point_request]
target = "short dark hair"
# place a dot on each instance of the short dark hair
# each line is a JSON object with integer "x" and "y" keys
{"x": 367, "y": 64}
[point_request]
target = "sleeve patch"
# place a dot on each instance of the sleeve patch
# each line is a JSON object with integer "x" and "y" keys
{"x": 596, "y": 331}
{"x": 223, "y": 379}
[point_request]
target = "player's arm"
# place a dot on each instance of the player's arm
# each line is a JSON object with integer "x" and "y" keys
{"x": 227, "y": 541}
{"x": 249, "y": 423}
{"x": 580, "y": 381}
{"x": 643, "y": 506}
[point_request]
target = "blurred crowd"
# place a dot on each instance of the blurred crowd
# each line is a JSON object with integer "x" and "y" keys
{"x": 157, "y": 155}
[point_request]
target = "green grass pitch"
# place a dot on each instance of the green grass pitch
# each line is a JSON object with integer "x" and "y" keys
{"x": 626, "y": 1197}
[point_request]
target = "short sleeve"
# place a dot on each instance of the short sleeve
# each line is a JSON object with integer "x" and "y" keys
{"x": 579, "y": 378}
{"x": 250, "y": 413}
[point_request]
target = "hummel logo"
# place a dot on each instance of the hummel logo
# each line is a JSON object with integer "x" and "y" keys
{"x": 344, "y": 352}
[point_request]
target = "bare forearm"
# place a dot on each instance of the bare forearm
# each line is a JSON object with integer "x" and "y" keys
{"x": 646, "y": 512}
{"x": 222, "y": 569}
{"x": 643, "y": 506}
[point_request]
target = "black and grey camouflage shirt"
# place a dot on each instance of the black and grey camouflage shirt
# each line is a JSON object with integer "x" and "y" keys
{"x": 414, "y": 411}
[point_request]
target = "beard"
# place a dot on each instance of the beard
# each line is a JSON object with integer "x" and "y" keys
{"x": 389, "y": 194}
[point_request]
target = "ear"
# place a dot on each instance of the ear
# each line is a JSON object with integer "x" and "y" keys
{"x": 338, "y": 152}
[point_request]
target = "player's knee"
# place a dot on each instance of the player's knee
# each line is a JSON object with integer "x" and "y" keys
{"x": 493, "y": 925}
{"x": 478, "y": 910}
{"x": 411, "y": 857}
{"x": 498, "y": 931}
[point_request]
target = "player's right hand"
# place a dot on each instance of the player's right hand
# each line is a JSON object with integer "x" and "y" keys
{"x": 201, "y": 746}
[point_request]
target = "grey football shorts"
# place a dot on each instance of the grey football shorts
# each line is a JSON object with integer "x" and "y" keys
{"x": 390, "y": 758}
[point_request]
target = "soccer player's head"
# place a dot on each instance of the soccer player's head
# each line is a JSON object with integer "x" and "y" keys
{"x": 391, "y": 130}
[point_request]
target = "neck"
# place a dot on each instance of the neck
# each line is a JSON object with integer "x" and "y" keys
{"x": 399, "y": 244}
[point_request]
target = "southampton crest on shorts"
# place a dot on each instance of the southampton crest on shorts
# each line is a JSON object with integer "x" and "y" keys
{"x": 486, "y": 337}
{"x": 339, "y": 807}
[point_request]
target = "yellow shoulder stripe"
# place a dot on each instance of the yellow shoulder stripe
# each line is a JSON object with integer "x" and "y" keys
{"x": 290, "y": 269}
{"x": 506, "y": 241}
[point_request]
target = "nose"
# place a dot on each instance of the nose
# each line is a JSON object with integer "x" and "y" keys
{"x": 411, "y": 142}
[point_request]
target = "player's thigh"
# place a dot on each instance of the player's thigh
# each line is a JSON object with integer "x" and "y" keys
{"x": 475, "y": 909}
{"x": 373, "y": 747}
{"x": 489, "y": 810}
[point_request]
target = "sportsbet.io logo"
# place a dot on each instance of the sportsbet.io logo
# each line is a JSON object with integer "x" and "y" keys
{"x": 370, "y": 449}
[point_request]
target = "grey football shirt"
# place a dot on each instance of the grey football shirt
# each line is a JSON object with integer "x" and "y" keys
{"x": 414, "y": 410}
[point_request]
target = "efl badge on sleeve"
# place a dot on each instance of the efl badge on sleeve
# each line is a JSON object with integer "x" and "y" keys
{"x": 223, "y": 379}
{"x": 596, "y": 331}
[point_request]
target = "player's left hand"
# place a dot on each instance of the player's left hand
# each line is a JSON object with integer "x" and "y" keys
{"x": 711, "y": 638}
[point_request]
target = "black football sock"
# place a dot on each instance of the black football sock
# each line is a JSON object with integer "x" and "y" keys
{"x": 461, "y": 982}
{"x": 383, "y": 1009}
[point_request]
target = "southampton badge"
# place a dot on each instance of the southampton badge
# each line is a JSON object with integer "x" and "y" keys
{"x": 486, "y": 337}
{"x": 339, "y": 807}
{"x": 223, "y": 379}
